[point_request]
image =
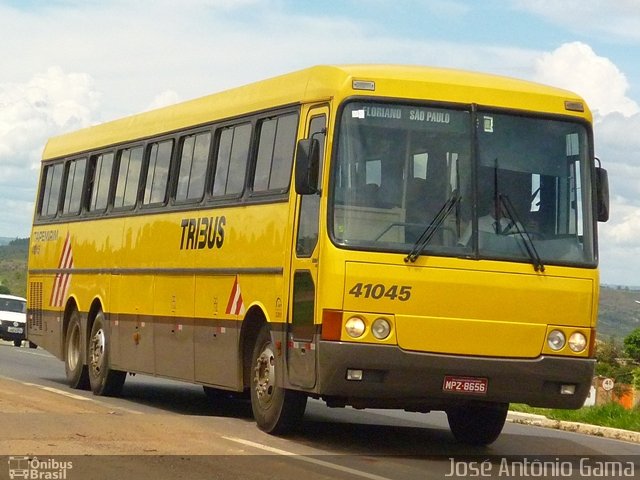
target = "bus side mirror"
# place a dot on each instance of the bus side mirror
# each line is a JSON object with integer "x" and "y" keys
{"x": 602, "y": 194}
{"x": 307, "y": 166}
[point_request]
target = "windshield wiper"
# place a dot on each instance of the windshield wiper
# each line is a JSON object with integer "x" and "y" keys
{"x": 428, "y": 233}
{"x": 524, "y": 234}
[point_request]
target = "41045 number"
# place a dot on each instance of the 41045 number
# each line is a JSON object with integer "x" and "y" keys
{"x": 379, "y": 291}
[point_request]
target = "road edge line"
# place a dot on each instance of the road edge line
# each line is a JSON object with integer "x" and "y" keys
{"x": 304, "y": 458}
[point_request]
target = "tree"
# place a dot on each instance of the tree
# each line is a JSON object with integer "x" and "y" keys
{"x": 632, "y": 345}
{"x": 607, "y": 351}
{"x": 4, "y": 290}
{"x": 608, "y": 355}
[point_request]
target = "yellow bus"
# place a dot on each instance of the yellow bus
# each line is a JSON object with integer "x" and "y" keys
{"x": 374, "y": 236}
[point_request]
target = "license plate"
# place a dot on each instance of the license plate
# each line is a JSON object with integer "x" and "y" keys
{"x": 469, "y": 385}
{"x": 14, "y": 330}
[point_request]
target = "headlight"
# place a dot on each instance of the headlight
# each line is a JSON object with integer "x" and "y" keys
{"x": 381, "y": 328}
{"x": 556, "y": 340}
{"x": 355, "y": 327}
{"x": 577, "y": 342}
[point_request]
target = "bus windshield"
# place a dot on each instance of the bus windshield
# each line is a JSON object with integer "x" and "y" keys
{"x": 442, "y": 181}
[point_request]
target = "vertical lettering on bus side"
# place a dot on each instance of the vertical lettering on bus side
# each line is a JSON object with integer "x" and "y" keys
{"x": 184, "y": 223}
{"x": 191, "y": 234}
{"x": 221, "y": 223}
{"x": 202, "y": 232}
{"x": 212, "y": 232}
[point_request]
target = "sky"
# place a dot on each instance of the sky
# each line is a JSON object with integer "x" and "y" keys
{"x": 68, "y": 64}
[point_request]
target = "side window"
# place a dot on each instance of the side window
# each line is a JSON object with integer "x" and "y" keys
{"x": 193, "y": 167}
{"x": 128, "y": 177}
{"x": 275, "y": 153}
{"x": 158, "y": 173}
{"x": 101, "y": 172}
{"x": 310, "y": 204}
{"x": 73, "y": 189}
{"x": 231, "y": 160}
{"x": 52, "y": 180}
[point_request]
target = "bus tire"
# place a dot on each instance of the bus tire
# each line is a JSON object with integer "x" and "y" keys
{"x": 104, "y": 380}
{"x": 478, "y": 423}
{"x": 74, "y": 367}
{"x": 275, "y": 409}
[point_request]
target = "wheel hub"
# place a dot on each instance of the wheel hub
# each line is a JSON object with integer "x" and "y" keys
{"x": 96, "y": 352}
{"x": 264, "y": 375}
{"x": 73, "y": 349}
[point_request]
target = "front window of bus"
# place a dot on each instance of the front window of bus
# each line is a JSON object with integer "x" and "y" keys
{"x": 401, "y": 169}
{"x": 405, "y": 180}
{"x": 534, "y": 181}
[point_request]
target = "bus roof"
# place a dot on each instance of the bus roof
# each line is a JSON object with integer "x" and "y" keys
{"x": 316, "y": 84}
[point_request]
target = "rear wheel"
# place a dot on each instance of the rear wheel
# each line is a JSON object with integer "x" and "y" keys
{"x": 75, "y": 369}
{"x": 479, "y": 423}
{"x": 103, "y": 380}
{"x": 275, "y": 409}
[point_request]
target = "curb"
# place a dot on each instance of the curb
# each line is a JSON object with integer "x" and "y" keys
{"x": 586, "y": 429}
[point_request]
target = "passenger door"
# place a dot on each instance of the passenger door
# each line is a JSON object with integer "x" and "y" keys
{"x": 302, "y": 330}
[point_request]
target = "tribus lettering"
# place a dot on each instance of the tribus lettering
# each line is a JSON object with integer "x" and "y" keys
{"x": 204, "y": 232}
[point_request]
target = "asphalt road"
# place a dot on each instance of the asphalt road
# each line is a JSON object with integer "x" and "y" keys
{"x": 160, "y": 429}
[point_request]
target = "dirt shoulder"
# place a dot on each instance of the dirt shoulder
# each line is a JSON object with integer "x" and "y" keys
{"x": 40, "y": 421}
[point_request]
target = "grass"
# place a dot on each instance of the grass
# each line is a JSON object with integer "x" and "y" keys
{"x": 608, "y": 415}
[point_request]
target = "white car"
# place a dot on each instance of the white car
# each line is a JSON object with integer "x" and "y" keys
{"x": 13, "y": 319}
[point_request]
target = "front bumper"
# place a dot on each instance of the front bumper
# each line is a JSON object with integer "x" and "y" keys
{"x": 12, "y": 336}
{"x": 395, "y": 378}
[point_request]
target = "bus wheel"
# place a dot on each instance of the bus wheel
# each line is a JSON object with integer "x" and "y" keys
{"x": 275, "y": 409}
{"x": 477, "y": 424}
{"x": 75, "y": 369}
{"x": 103, "y": 380}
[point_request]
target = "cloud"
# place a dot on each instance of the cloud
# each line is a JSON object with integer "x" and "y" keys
{"x": 576, "y": 66}
{"x": 617, "y": 19}
{"x": 619, "y": 247}
{"x": 624, "y": 233}
{"x": 618, "y": 144}
{"x": 48, "y": 104}
{"x": 202, "y": 46}
{"x": 163, "y": 99}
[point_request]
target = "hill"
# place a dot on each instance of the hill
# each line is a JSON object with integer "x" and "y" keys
{"x": 13, "y": 266}
{"x": 619, "y": 311}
